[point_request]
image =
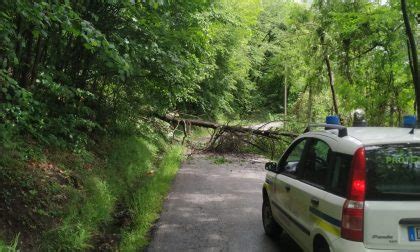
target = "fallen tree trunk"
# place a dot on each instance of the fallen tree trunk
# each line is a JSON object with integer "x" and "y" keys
{"x": 226, "y": 128}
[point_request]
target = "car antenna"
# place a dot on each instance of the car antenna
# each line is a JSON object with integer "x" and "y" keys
{"x": 412, "y": 131}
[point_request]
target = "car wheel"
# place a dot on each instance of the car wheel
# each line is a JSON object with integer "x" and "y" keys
{"x": 322, "y": 247}
{"x": 271, "y": 227}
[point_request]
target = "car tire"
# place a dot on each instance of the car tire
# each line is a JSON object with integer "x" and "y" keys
{"x": 271, "y": 227}
{"x": 323, "y": 249}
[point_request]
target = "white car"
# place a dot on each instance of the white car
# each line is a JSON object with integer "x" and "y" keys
{"x": 347, "y": 189}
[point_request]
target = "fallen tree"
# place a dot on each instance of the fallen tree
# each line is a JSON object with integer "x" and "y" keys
{"x": 227, "y": 137}
{"x": 227, "y": 128}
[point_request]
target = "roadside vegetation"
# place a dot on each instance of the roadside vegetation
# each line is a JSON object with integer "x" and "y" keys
{"x": 84, "y": 161}
{"x": 106, "y": 198}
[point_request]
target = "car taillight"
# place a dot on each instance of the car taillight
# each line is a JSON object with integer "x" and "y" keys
{"x": 353, "y": 209}
{"x": 352, "y": 220}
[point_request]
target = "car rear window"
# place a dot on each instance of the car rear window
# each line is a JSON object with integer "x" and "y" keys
{"x": 393, "y": 172}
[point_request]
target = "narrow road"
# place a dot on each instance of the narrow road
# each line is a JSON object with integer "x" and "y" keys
{"x": 215, "y": 205}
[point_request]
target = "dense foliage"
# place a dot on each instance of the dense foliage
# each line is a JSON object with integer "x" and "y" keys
{"x": 361, "y": 45}
{"x": 69, "y": 68}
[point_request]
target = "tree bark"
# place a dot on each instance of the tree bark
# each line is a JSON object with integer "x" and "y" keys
{"x": 310, "y": 104}
{"x": 285, "y": 98}
{"x": 412, "y": 55}
{"x": 26, "y": 62}
{"x": 329, "y": 70}
{"x": 331, "y": 81}
{"x": 34, "y": 68}
{"x": 18, "y": 47}
{"x": 346, "y": 45}
{"x": 410, "y": 59}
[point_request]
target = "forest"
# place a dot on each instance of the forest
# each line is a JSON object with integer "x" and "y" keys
{"x": 83, "y": 83}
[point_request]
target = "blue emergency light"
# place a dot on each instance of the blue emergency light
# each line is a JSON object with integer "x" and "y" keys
{"x": 332, "y": 119}
{"x": 409, "y": 121}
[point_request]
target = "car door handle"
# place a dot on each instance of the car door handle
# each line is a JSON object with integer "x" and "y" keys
{"x": 315, "y": 201}
{"x": 287, "y": 187}
{"x": 410, "y": 221}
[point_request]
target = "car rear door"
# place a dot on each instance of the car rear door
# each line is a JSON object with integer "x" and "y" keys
{"x": 392, "y": 206}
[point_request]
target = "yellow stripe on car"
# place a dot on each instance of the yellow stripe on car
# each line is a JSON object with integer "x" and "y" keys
{"x": 326, "y": 225}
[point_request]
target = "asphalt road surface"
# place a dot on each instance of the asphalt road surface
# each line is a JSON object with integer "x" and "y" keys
{"x": 215, "y": 205}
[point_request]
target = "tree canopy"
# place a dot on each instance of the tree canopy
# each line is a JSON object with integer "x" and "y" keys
{"x": 70, "y": 69}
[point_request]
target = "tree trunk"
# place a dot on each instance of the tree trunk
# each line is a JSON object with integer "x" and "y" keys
{"x": 391, "y": 113}
{"x": 227, "y": 128}
{"x": 346, "y": 45}
{"x": 310, "y": 104}
{"x": 329, "y": 69}
{"x": 412, "y": 55}
{"x": 285, "y": 98}
{"x": 331, "y": 81}
{"x": 18, "y": 46}
{"x": 34, "y": 68}
{"x": 25, "y": 74}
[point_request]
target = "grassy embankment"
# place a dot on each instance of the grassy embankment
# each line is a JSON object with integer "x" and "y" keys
{"x": 107, "y": 198}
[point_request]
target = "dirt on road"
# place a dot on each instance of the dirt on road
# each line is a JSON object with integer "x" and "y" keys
{"x": 215, "y": 205}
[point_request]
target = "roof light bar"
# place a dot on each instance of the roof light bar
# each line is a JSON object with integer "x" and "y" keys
{"x": 409, "y": 121}
{"x": 332, "y": 119}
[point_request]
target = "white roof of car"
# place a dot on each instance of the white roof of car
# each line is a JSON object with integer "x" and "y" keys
{"x": 383, "y": 135}
{"x": 364, "y": 136}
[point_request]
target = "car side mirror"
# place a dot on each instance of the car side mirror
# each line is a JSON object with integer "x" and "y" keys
{"x": 271, "y": 166}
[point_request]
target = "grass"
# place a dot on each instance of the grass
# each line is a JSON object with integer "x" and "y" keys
{"x": 128, "y": 178}
{"x": 12, "y": 247}
{"x": 147, "y": 201}
{"x": 220, "y": 160}
{"x": 83, "y": 218}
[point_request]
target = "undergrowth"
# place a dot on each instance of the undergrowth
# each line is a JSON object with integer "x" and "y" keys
{"x": 146, "y": 202}
{"x": 125, "y": 176}
{"x": 11, "y": 247}
{"x": 130, "y": 178}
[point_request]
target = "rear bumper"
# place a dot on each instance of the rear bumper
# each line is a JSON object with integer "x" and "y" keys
{"x": 343, "y": 245}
